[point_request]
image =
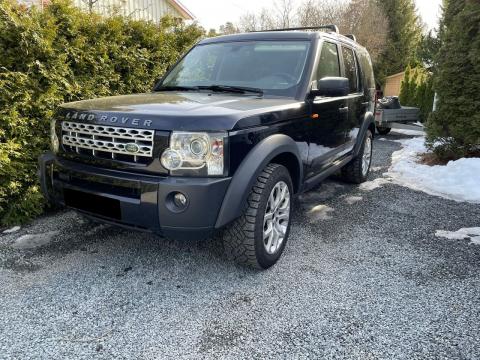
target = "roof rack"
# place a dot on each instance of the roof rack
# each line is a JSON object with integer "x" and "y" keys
{"x": 332, "y": 28}
{"x": 351, "y": 36}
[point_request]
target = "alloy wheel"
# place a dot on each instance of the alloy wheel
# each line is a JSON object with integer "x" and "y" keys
{"x": 367, "y": 155}
{"x": 276, "y": 218}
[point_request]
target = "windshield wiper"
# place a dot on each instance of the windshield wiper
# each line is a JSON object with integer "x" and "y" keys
{"x": 176, "y": 88}
{"x": 233, "y": 89}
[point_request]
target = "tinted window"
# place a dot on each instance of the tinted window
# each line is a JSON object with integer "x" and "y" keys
{"x": 328, "y": 65}
{"x": 273, "y": 66}
{"x": 366, "y": 69}
{"x": 351, "y": 69}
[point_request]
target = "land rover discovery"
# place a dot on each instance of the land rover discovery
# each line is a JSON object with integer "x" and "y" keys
{"x": 238, "y": 127}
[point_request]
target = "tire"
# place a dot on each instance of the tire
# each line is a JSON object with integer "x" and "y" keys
{"x": 244, "y": 239}
{"x": 356, "y": 171}
{"x": 383, "y": 130}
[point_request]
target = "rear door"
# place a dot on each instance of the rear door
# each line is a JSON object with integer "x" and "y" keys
{"x": 356, "y": 102}
{"x": 330, "y": 115}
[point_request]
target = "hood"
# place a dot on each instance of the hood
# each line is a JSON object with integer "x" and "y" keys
{"x": 187, "y": 111}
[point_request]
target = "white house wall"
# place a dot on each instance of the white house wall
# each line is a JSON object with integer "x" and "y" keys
{"x": 152, "y": 10}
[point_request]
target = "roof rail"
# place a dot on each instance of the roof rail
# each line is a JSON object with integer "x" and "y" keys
{"x": 332, "y": 28}
{"x": 351, "y": 36}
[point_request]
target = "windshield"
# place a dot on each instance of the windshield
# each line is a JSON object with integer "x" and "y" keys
{"x": 275, "y": 67}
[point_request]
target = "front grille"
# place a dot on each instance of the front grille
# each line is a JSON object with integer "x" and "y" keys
{"x": 108, "y": 142}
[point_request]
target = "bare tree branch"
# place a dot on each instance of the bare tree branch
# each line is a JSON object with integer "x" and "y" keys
{"x": 90, "y": 4}
{"x": 363, "y": 18}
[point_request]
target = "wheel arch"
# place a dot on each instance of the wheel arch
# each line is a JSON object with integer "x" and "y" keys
{"x": 290, "y": 161}
{"x": 278, "y": 148}
{"x": 368, "y": 124}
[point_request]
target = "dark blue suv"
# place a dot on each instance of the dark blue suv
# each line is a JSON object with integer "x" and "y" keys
{"x": 233, "y": 131}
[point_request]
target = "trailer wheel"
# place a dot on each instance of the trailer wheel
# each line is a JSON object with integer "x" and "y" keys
{"x": 383, "y": 130}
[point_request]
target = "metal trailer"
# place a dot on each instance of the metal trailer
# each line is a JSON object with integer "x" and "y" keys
{"x": 404, "y": 118}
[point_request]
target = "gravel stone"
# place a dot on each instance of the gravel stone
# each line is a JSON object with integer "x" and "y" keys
{"x": 367, "y": 279}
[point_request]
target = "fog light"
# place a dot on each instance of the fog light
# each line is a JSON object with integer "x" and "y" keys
{"x": 176, "y": 202}
{"x": 180, "y": 200}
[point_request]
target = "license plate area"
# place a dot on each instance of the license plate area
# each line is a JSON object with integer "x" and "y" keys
{"x": 95, "y": 204}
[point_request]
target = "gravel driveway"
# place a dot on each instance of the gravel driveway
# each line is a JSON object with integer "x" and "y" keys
{"x": 363, "y": 277}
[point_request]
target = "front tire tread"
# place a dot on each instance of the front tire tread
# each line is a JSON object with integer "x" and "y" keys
{"x": 239, "y": 237}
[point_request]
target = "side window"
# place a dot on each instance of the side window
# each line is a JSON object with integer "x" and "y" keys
{"x": 328, "y": 64}
{"x": 351, "y": 70}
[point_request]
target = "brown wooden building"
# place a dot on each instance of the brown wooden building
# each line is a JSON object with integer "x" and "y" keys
{"x": 393, "y": 84}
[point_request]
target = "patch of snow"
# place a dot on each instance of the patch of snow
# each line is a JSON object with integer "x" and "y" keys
{"x": 31, "y": 241}
{"x": 375, "y": 168}
{"x": 11, "y": 230}
{"x": 353, "y": 199}
{"x": 320, "y": 212}
{"x": 472, "y": 234}
{"x": 382, "y": 139}
{"x": 458, "y": 180}
{"x": 373, "y": 184}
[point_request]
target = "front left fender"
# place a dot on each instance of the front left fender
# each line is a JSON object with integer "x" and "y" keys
{"x": 248, "y": 171}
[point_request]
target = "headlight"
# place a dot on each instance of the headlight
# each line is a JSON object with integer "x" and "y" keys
{"x": 53, "y": 136}
{"x": 199, "y": 154}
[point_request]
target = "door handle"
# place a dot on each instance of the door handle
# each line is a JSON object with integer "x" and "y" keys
{"x": 343, "y": 110}
{"x": 366, "y": 103}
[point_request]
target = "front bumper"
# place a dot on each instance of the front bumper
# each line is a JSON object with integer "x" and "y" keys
{"x": 134, "y": 200}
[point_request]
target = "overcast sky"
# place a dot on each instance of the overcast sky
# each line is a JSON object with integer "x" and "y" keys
{"x": 213, "y": 13}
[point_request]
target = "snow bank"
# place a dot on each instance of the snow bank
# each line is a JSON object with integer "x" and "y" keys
{"x": 472, "y": 234}
{"x": 458, "y": 180}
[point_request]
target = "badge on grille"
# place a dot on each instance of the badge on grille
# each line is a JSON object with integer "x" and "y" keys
{"x": 132, "y": 148}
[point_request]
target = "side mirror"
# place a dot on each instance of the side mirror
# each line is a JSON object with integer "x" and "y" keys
{"x": 330, "y": 87}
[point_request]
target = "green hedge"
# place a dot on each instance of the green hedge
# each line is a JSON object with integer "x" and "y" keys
{"x": 417, "y": 90}
{"x": 453, "y": 130}
{"x": 62, "y": 54}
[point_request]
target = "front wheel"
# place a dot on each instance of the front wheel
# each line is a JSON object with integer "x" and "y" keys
{"x": 356, "y": 171}
{"x": 258, "y": 237}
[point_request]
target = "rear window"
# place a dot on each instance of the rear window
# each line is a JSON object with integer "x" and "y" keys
{"x": 351, "y": 70}
{"x": 366, "y": 69}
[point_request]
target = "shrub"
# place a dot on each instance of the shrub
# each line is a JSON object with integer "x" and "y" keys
{"x": 58, "y": 55}
{"x": 417, "y": 90}
{"x": 453, "y": 130}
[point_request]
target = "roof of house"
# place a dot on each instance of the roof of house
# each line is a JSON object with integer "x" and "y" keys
{"x": 187, "y": 15}
{"x": 397, "y": 74}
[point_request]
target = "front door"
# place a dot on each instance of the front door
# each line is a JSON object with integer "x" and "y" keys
{"x": 327, "y": 127}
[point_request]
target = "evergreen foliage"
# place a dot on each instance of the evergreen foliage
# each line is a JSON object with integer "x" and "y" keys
{"x": 417, "y": 90}
{"x": 453, "y": 130}
{"x": 62, "y": 54}
{"x": 404, "y": 36}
